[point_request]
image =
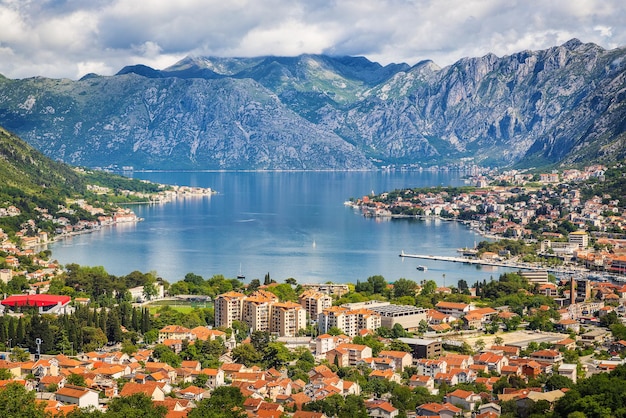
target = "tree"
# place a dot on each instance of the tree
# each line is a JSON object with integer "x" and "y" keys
{"x": 76, "y": 380}
{"x": 149, "y": 290}
{"x": 557, "y": 381}
{"x": 17, "y": 402}
{"x": 246, "y": 354}
{"x": 276, "y": 355}
{"x": 166, "y": 355}
{"x": 225, "y": 402}
{"x": 260, "y": 340}
{"x": 19, "y": 354}
{"x": 404, "y": 287}
{"x": 479, "y": 344}
{"x": 138, "y": 405}
{"x": 428, "y": 287}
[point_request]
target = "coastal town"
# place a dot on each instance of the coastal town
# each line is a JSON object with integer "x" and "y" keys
{"x": 78, "y": 341}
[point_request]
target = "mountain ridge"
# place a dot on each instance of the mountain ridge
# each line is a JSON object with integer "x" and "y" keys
{"x": 561, "y": 105}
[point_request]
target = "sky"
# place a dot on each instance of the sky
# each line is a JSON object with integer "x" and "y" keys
{"x": 71, "y": 38}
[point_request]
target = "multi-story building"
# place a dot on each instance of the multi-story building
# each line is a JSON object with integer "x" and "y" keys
{"x": 175, "y": 332}
{"x": 314, "y": 303}
{"x": 579, "y": 237}
{"x": 286, "y": 319}
{"x": 409, "y": 317}
{"x": 256, "y": 313}
{"x": 350, "y": 322}
{"x": 261, "y": 311}
{"x": 228, "y": 308}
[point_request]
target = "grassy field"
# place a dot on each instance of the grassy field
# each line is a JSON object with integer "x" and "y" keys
{"x": 184, "y": 307}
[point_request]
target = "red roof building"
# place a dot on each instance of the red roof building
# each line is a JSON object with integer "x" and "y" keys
{"x": 45, "y": 303}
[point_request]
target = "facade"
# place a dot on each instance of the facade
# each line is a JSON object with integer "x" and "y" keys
{"x": 580, "y": 238}
{"x": 175, "y": 332}
{"x": 424, "y": 348}
{"x": 314, "y": 303}
{"x": 409, "y": 317}
{"x": 256, "y": 313}
{"x": 287, "y": 319}
{"x": 350, "y": 322}
{"x": 261, "y": 311}
{"x": 535, "y": 276}
{"x": 77, "y": 395}
{"x": 453, "y": 308}
{"x": 228, "y": 308}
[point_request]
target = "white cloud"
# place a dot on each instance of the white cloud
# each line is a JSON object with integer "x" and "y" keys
{"x": 60, "y": 38}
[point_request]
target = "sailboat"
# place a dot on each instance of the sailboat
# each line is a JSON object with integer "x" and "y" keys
{"x": 240, "y": 276}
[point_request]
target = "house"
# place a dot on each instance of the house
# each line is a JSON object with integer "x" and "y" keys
{"x": 445, "y": 410}
{"x": 547, "y": 356}
{"x": 463, "y": 398}
{"x": 348, "y": 354}
{"x": 215, "y": 377}
{"x": 193, "y": 393}
{"x": 175, "y": 332}
{"x": 569, "y": 371}
{"x": 307, "y": 414}
{"x": 151, "y": 389}
{"x": 382, "y": 409}
{"x": 427, "y": 382}
{"x": 385, "y": 374}
{"x": 453, "y": 308}
{"x": 493, "y": 361}
{"x": 400, "y": 359}
{"x": 490, "y": 407}
{"x": 427, "y": 367}
{"x": 77, "y": 395}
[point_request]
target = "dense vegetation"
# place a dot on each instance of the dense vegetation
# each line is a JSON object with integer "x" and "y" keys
{"x": 32, "y": 182}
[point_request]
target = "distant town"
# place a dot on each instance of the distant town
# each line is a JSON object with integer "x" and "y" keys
{"x": 76, "y": 340}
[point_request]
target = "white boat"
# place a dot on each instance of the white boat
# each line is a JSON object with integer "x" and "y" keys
{"x": 422, "y": 268}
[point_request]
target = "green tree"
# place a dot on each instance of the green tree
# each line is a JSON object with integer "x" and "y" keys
{"x": 225, "y": 402}
{"x": 76, "y": 380}
{"x": 17, "y": 402}
{"x": 276, "y": 355}
{"x": 556, "y": 381}
{"x": 137, "y": 405}
{"x": 18, "y": 354}
{"x": 404, "y": 287}
{"x": 246, "y": 354}
{"x": 166, "y": 355}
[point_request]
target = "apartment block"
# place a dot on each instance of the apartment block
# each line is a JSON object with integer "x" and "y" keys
{"x": 286, "y": 319}
{"x": 349, "y": 321}
{"x": 228, "y": 308}
{"x": 314, "y": 303}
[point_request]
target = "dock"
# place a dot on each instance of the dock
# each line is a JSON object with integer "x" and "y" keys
{"x": 464, "y": 260}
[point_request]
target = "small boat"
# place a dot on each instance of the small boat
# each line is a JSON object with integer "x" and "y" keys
{"x": 422, "y": 268}
{"x": 240, "y": 276}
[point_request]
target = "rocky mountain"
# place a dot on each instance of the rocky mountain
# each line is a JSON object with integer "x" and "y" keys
{"x": 565, "y": 104}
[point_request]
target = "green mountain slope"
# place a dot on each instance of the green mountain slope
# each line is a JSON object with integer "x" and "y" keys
{"x": 23, "y": 167}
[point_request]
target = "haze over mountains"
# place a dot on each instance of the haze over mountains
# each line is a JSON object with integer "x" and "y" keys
{"x": 566, "y": 104}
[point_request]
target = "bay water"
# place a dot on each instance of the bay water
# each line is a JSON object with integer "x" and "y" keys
{"x": 287, "y": 224}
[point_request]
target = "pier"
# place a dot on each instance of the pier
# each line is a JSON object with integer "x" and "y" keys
{"x": 513, "y": 265}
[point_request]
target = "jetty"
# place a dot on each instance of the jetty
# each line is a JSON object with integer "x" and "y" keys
{"x": 508, "y": 264}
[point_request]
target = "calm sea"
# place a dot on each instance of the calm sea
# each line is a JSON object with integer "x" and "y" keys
{"x": 283, "y": 223}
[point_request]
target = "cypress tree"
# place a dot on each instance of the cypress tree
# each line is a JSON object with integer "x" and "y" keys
{"x": 20, "y": 332}
{"x": 11, "y": 331}
{"x": 103, "y": 321}
{"x": 134, "y": 322}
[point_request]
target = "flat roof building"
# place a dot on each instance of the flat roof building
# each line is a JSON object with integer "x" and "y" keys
{"x": 423, "y": 347}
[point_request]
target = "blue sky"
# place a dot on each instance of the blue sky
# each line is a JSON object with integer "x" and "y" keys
{"x": 70, "y": 38}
